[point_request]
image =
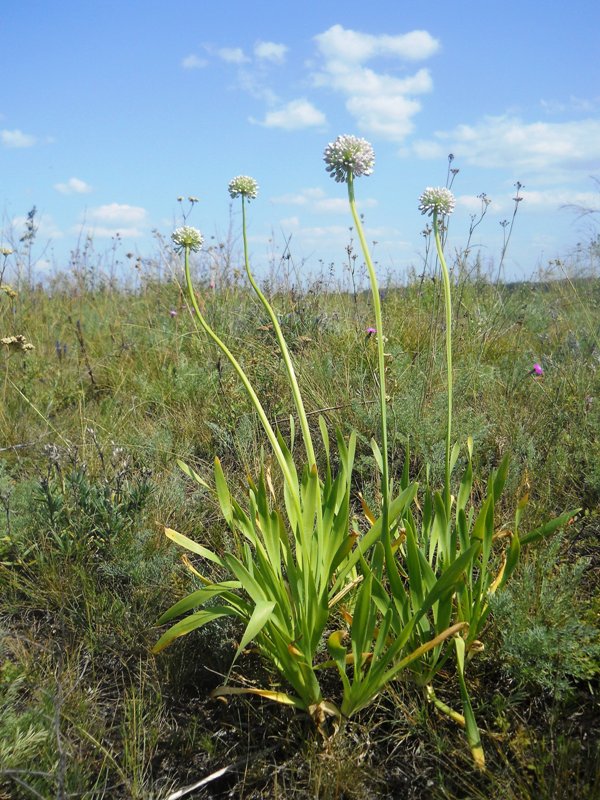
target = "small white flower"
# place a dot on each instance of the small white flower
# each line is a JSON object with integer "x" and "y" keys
{"x": 438, "y": 199}
{"x": 349, "y": 154}
{"x": 243, "y": 185}
{"x": 187, "y": 238}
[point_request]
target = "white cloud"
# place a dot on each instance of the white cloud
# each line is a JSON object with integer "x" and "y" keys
{"x": 233, "y": 55}
{"x": 342, "y": 44}
{"x": 388, "y": 116}
{"x": 290, "y": 222}
{"x": 17, "y": 138}
{"x": 474, "y": 204}
{"x": 294, "y": 115}
{"x": 118, "y": 214}
{"x": 270, "y": 51}
{"x": 546, "y": 149}
{"x": 586, "y": 105}
{"x": 557, "y": 198}
{"x": 73, "y": 186}
{"x": 379, "y": 102}
{"x": 104, "y": 232}
{"x": 193, "y": 62}
{"x": 316, "y": 201}
{"x": 536, "y": 200}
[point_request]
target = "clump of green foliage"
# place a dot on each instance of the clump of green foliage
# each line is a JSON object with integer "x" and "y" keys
{"x": 547, "y": 639}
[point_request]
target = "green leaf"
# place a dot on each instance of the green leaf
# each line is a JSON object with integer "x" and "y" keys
{"x": 500, "y": 477}
{"x": 464, "y": 491}
{"x": 361, "y": 629}
{"x": 249, "y": 583}
{"x": 223, "y": 493}
{"x": 196, "y": 599}
{"x": 454, "y": 456}
{"x": 377, "y": 456}
{"x": 192, "y": 623}
{"x": 471, "y": 728}
{"x": 549, "y": 527}
{"x": 512, "y": 558}
{"x": 192, "y": 546}
{"x": 258, "y": 620}
{"x": 191, "y": 474}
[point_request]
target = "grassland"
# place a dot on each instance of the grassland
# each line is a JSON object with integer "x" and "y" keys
{"x": 120, "y": 384}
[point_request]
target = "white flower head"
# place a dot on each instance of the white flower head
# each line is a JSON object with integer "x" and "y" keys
{"x": 187, "y": 238}
{"x": 243, "y": 186}
{"x": 349, "y": 154}
{"x": 439, "y": 199}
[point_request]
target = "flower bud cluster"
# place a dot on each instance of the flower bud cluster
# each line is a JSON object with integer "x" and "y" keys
{"x": 349, "y": 154}
{"x": 440, "y": 200}
{"x": 243, "y": 186}
{"x": 187, "y": 238}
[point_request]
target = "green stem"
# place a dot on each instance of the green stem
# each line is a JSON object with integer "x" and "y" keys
{"x": 448, "y": 305}
{"x": 381, "y": 362}
{"x": 247, "y": 385}
{"x": 310, "y": 453}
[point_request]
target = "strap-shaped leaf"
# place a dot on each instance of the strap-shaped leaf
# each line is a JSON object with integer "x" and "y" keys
{"x": 193, "y": 546}
{"x": 249, "y": 583}
{"x": 500, "y": 477}
{"x": 397, "y": 506}
{"x": 197, "y": 599}
{"x": 192, "y": 623}
{"x": 454, "y": 456}
{"x": 223, "y": 493}
{"x": 192, "y": 474}
{"x": 471, "y": 728}
{"x": 464, "y": 491}
{"x": 362, "y": 625}
{"x": 278, "y": 697}
{"x": 258, "y": 620}
{"x": 377, "y": 456}
{"x": 549, "y": 527}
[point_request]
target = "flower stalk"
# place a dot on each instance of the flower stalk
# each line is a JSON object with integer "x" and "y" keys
{"x": 385, "y": 480}
{"x": 436, "y": 202}
{"x": 187, "y": 247}
{"x": 448, "y": 311}
{"x": 246, "y": 188}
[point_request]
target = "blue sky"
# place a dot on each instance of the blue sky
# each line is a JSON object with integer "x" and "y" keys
{"x": 110, "y": 111}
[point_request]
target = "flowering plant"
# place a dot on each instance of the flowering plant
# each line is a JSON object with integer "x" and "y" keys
{"x": 393, "y": 599}
{"x": 297, "y": 558}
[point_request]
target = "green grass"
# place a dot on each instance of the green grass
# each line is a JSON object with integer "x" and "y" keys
{"x": 89, "y": 437}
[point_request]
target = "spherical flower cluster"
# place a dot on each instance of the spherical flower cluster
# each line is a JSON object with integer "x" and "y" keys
{"x": 187, "y": 238}
{"x": 349, "y": 154}
{"x": 440, "y": 200}
{"x": 243, "y": 186}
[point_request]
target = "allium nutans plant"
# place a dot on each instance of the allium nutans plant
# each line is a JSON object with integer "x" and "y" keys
{"x": 297, "y": 558}
{"x": 450, "y": 526}
{"x": 395, "y": 597}
{"x": 452, "y": 540}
